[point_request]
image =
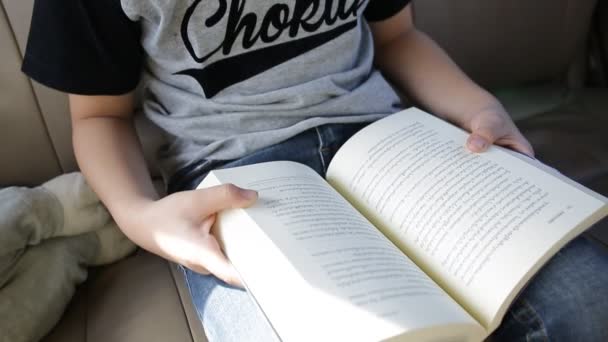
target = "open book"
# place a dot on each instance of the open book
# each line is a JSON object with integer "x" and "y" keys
{"x": 411, "y": 237}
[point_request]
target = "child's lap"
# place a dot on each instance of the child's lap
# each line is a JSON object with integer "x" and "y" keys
{"x": 228, "y": 313}
{"x": 566, "y": 298}
{"x": 314, "y": 147}
{"x": 565, "y": 301}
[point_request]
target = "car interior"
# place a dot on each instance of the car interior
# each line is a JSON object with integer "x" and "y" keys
{"x": 546, "y": 60}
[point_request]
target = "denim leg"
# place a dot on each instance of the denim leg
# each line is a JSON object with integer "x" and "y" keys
{"x": 315, "y": 148}
{"x": 566, "y": 301}
{"x": 228, "y": 314}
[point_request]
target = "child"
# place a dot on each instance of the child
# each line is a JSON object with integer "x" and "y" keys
{"x": 244, "y": 81}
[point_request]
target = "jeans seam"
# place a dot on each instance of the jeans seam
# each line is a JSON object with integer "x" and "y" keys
{"x": 320, "y": 150}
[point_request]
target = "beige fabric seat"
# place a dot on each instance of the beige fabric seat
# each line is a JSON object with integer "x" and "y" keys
{"x": 532, "y": 53}
{"x": 136, "y": 299}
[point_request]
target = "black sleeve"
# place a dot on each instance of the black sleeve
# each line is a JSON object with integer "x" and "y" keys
{"x": 378, "y": 10}
{"x": 87, "y": 47}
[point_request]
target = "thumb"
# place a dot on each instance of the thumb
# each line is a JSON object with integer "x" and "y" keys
{"x": 478, "y": 143}
{"x": 481, "y": 139}
{"x": 226, "y": 196}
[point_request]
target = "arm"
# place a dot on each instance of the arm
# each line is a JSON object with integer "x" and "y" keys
{"x": 109, "y": 153}
{"x": 176, "y": 227}
{"x": 422, "y": 70}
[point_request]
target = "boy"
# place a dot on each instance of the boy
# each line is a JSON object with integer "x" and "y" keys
{"x": 244, "y": 81}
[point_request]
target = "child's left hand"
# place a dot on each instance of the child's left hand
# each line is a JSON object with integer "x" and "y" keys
{"x": 493, "y": 125}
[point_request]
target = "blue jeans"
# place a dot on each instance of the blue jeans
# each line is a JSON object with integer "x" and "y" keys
{"x": 566, "y": 301}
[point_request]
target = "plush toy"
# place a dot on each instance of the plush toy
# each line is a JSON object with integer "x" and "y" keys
{"x": 48, "y": 237}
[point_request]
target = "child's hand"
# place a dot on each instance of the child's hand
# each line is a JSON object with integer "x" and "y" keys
{"x": 179, "y": 225}
{"x": 493, "y": 125}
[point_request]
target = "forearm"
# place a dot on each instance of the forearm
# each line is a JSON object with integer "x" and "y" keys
{"x": 423, "y": 71}
{"x": 110, "y": 156}
{"x": 176, "y": 227}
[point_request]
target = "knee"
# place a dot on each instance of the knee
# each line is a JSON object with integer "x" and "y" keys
{"x": 580, "y": 319}
{"x": 569, "y": 294}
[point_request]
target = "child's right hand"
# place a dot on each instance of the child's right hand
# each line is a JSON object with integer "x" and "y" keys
{"x": 178, "y": 226}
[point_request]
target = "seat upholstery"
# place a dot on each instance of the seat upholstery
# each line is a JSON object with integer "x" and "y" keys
{"x": 568, "y": 137}
{"x": 53, "y": 105}
{"x": 27, "y": 155}
{"x": 501, "y": 44}
{"x": 133, "y": 300}
{"x": 506, "y": 43}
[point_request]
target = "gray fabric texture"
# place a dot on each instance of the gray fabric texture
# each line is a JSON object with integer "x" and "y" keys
{"x": 44, "y": 255}
{"x": 222, "y": 82}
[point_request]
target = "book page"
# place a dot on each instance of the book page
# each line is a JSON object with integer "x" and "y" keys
{"x": 480, "y": 224}
{"x": 320, "y": 271}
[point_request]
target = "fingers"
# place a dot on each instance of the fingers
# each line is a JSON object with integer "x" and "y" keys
{"x": 216, "y": 262}
{"x": 199, "y": 208}
{"x": 478, "y": 143}
{"x": 485, "y": 132}
{"x": 218, "y": 198}
{"x": 208, "y": 223}
{"x": 208, "y": 257}
{"x": 522, "y": 145}
{"x": 228, "y": 274}
{"x": 498, "y": 133}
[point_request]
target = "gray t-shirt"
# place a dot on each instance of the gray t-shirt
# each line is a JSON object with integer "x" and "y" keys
{"x": 222, "y": 78}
